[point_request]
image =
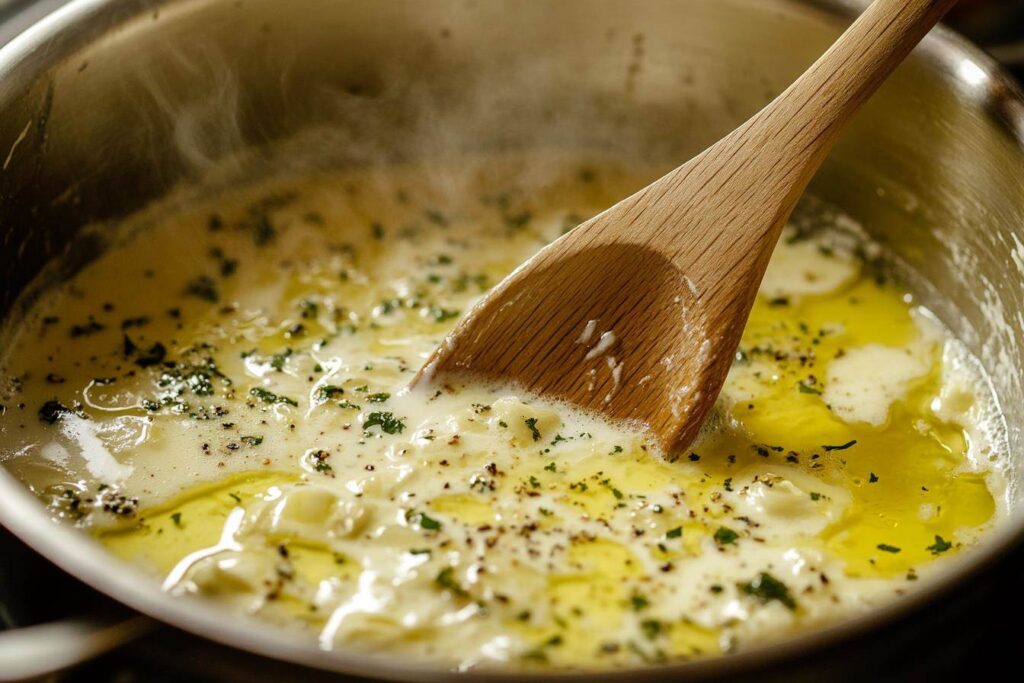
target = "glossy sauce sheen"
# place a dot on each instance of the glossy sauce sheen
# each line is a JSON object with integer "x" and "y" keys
{"x": 220, "y": 399}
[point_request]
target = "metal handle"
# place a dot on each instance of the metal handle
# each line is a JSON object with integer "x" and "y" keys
{"x": 36, "y": 651}
{"x": 1010, "y": 54}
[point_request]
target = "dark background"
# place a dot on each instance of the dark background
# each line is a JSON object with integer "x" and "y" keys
{"x": 937, "y": 647}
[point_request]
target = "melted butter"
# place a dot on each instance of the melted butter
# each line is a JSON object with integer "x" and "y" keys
{"x": 166, "y": 534}
{"x": 220, "y": 398}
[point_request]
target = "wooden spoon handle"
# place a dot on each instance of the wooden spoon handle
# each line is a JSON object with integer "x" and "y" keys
{"x": 763, "y": 167}
{"x": 811, "y": 114}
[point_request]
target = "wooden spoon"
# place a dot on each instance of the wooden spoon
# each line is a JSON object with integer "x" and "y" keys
{"x": 637, "y": 313}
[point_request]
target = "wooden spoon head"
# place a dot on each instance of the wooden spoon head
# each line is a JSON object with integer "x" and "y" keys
{"x": 637, "y": 313}
{"x": 613, "y": 328}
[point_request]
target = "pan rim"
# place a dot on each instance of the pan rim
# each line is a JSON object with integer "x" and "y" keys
{"x": 85, "y": 559}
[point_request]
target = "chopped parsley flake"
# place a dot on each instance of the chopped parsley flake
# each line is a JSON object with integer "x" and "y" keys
{"x": 442, "y": 314}
{"x": 278, "y": 360}
{"x": 386, "y": 421}
{"x": 270, "y": 397}
{"x": 328, "y": 391}
{"x": 531, "y": 422}
{"x": 651, "y": 628}
{"x": 725, "y": 536}
{"x": 808, "y": 389}
{"x": 766, "y": 588}
{"x": 639, "y": 602}
{"x": 940, "y": 546}
{"x": 423, "y": 521}
{"x": 320, "y": 464}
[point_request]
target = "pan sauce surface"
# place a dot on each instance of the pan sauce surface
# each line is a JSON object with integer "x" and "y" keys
{"x": 220, "y": 399}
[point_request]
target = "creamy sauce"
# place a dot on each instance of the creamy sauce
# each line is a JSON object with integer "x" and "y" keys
{"x": 220, "y": 398}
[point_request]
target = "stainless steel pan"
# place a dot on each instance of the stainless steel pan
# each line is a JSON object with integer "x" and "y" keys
{"x": 108, "y": 105}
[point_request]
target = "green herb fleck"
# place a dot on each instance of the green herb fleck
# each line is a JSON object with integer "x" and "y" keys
{"x": 766, "y": 588}
{"x": 278, "y": 360}
{"x": 725, "y": 536}
{"x": 531, "y": 422}
{"x": 442, "y": 314}
{"x": 328, "y": 391}
{"x": 808, "y": 389}
{"x": 386, "y": 421}
{"x": 651, "y": 628}
{"x": 320, "y": 464}
{"x": 446, "y": 580}
{"x": 270, "y": 397}
{"x": 940, "y": 546}
{"x": 423, "y": 521}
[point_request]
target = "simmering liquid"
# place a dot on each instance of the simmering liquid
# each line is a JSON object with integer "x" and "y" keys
{"x": 220, "y": 398}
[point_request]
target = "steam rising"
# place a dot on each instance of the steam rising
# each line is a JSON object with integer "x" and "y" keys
{"x": 269, "y": 102}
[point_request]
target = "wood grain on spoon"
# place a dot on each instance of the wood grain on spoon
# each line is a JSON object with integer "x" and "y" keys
{"x": 637, "y": 313}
